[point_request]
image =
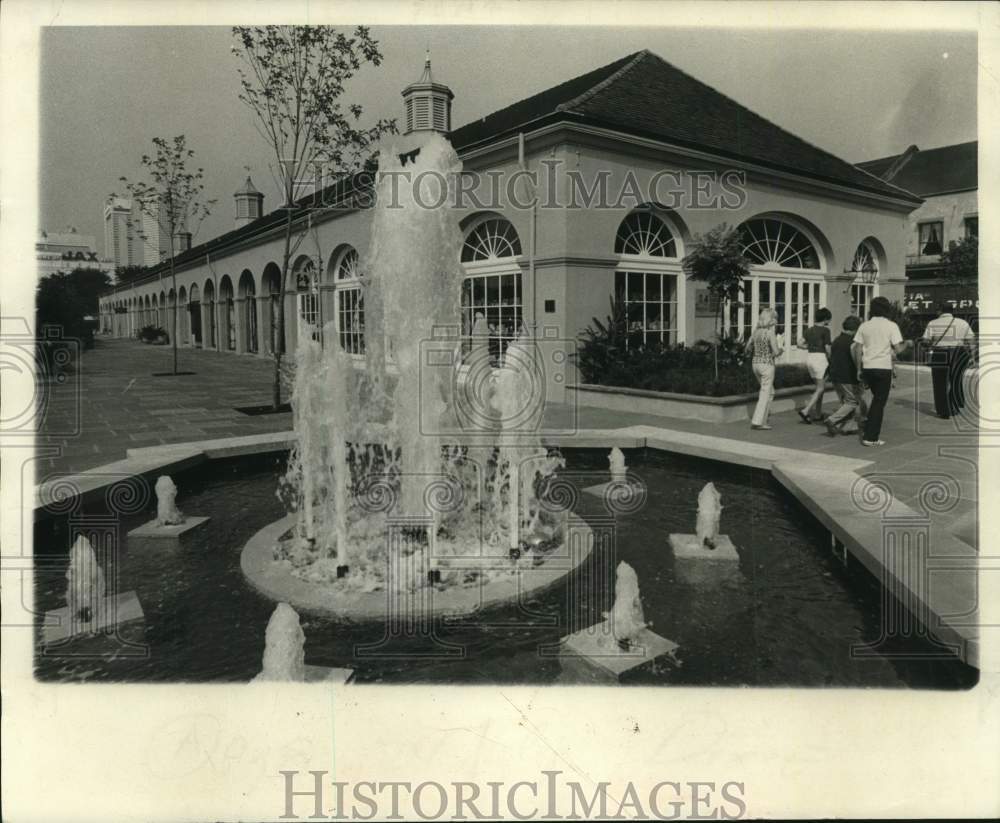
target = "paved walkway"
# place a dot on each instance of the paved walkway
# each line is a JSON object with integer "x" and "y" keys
{"x": 113, "y": 403}
{"x": 919, "y": 445}
{"x": 120, "y": 405}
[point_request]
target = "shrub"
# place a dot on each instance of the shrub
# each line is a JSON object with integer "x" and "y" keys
{"x": 152, "y": 334}
{"x": 604, "y": 359}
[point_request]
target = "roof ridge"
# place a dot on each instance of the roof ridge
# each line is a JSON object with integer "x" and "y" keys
{"x": 614, "y": 77}
{"x": 883, "y": 181}
{"x": 761, "y": 117}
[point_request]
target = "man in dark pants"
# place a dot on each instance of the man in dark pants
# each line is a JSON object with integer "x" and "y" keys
{"x": 875, "y": 343}
{"x": 949, "y": 340}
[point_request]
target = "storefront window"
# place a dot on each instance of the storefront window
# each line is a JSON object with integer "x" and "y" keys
{"x": 650, "y": 303}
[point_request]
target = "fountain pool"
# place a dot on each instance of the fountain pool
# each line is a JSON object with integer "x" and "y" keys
{"x": 787, "y": 617}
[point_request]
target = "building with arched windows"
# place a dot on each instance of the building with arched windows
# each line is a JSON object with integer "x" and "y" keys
{"x": 630, "y": 163}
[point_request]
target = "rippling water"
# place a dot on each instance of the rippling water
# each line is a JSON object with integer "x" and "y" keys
{"x": 787, "y": 616}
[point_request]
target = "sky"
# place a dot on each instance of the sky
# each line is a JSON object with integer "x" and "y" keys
{"x": 107, "y": 91}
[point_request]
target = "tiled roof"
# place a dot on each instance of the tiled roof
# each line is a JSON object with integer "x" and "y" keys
{"x": 644, "y": 95}
{"x": 640, "y": 94}
{"x": 933, "y": 171}
{"x": 328, "y": 196}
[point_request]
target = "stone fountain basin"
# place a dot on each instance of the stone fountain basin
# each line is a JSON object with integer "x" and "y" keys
{"x": 275, "y": 581}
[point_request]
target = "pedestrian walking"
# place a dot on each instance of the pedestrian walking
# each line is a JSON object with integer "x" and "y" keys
{"x": 875, "y": 343}
{"x": 851, "y": 413}
{"x": 766, "y": 349}
{"x": 816, "y": 341}
{"x": 949, "y": 340}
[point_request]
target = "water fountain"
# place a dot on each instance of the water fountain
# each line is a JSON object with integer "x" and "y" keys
{"x": 709, "y": 514}
{"x": 167, "y": 513}
{"x": 88, "y": 610}
{"x": 616, "y": 465}
{"x": 706, "y": 544}
{"x": 607, "y": 651}
{"x": 85, "y": 585}
{"x": 383, "y": 456}
{"x": 627, "y": 619}
{"x": 169, "y": 524}
{"x": 620, "y": 493}
{"x": 284, "y": 658}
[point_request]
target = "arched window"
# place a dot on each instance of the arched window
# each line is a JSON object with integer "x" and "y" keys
{"x": 643, "y": 233}
{"x": 865, "y": 285}
{"x": 646, "y": 279}
{"x": 307, "y": 297}
{"x": 350, "y": 303}
{"x": 491, "y": 240}
{"x": 785, "y": 263}
{"x": 774, "y": 243}
{"x": 491, "y": 291}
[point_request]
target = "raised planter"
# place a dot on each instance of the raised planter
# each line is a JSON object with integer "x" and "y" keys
{"x": 733, "y": 408}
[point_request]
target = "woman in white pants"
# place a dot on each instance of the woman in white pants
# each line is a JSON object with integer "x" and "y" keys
{"x": 766, "y": 350}
{"x": 816, "y": 340}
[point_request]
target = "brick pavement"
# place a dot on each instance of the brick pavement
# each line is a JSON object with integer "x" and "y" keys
{"x": 112, "y": 403}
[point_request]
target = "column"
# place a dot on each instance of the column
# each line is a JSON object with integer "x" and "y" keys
{"x": 263, "y": 326}
{"x": 838, "y": 298}
{"x": 291, "y": 322}
{"x": 240, "y": 319}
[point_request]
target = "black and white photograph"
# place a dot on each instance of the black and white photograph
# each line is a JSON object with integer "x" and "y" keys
{"x": 368, "y": 356}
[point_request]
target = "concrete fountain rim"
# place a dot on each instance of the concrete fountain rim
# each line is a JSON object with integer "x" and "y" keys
{"x": 276, "y": 582}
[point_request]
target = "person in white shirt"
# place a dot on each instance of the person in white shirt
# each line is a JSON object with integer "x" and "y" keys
{"x": 875, "y": 343}
{"x": 950, "y": 340}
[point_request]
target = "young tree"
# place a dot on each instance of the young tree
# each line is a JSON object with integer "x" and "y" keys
{"x": 716, "y": 259}
{"x": 961, "y": 262}
{"x": 173, "y": 198}
{"x": 293, "y": 78}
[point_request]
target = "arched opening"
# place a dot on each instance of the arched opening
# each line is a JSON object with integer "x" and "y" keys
{"x": 183, "y": 333}
{"x": 248, "y": 294}
{"x": 209, "y": 298}
{"x": 162, "y": 322}
{"x": 345, "y": 266}
{"x": 194, "y": 314}
{"x": 271, "y": 288}
{"x": 787, "y": 260}
{"x": 647, "y": 278}
{"x": 492, "y": 310}
{"x": 866, "y": 265}
{"x": 172, "y": 314}
{"x": 307, "y": 299}
{"x": 227, "y": 306}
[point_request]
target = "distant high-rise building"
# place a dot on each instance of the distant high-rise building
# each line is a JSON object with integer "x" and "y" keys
{"x": 67, "y": 250}
{"x": 122, "y": 243}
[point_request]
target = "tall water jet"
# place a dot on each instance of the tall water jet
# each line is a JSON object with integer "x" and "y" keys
{"x": 377, "y": 442}
{"x": 319, "y": 468}
{"x": 415, "y": 269}
{"x": 515, "y": 400}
